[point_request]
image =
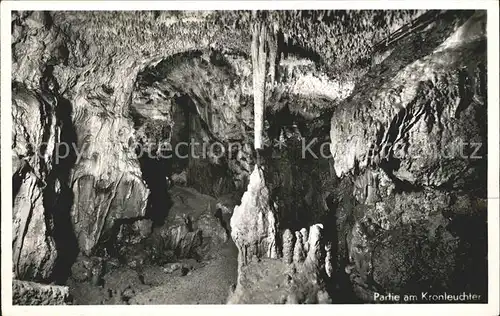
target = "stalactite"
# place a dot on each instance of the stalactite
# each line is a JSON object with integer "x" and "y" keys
{"x": 259, "y": 59}
{"x": 274, "y": 56}
{"x": 265, "y": 58}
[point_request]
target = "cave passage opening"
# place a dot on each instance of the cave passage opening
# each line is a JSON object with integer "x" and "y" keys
{"x": 185, "y": 98}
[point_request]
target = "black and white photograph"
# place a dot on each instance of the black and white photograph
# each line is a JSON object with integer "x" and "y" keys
{"x": 173, "y": 154}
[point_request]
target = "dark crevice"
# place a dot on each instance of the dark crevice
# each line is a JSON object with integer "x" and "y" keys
{"x": 155, "y": 172}
{"x": 59, "y": 201}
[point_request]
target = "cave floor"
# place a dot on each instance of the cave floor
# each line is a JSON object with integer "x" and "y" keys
{"x": 206, "y": 285}
{"x": 208, "y": 282}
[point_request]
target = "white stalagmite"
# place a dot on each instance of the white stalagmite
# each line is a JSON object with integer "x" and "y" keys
{"x": 298, "y": 250}
{"x": 328, "y": 260}
{"x": 253, "y": 224}
{"x": 288, "y": 244}
{"x": 314, "y": 253}
{"x": 305, "y": 239}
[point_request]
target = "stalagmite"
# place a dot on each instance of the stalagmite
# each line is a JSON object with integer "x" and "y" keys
{"x": 298, "y": 251}
{"x": 288, "y": 240}
{"x": 253, "y": 224}
{"x": 305, "y": 239}
{"x": 273, "y": 53}
{"x": 315, "y": 251}
{"x": 329, "y": 260}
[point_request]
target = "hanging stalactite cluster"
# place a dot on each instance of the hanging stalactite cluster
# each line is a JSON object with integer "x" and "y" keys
{"x": 265, "y": 58}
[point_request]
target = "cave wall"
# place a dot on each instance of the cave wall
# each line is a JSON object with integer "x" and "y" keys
{"x": 34, "y": 136}
{"x": 406, "y": 137}
{"x": 93, "y": 82}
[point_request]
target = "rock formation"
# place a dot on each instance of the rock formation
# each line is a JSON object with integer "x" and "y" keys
{"x": 253, "y": 224}
{"x": 34, "y": 137}
{"x": 329, "y": 260}
{"x": 99, "y": 110}
{"x": 421, "y": 122}
{"x": 315, "y": 249}
{"x": 299, "y": 249}
{"x": 192, "y": 229}
{"x": 418, "y": 115}
{"x": 31, "y": 293}
{"x": 288, "y": 246}
{"x": 275, "y": 281}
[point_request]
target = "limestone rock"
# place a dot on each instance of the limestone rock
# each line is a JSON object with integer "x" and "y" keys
{"x": 138, "y": 255}
{"x": 67, "y": 127}
{"x": 299, "y": 252}
{"x": 329, "y": 260}
{"x": 270, "y": 281}
{"x": 298, "y": 281}
{"x": 34, "y": 136}
{"x": 97, "y": 271}
{"x": 288, "y": 246}
{"x": 212, "y": 228}
{"x": 305, "y": 238}
{"x": 180, "y": 237}
{"x": 193, "y": 226}
{"x": 389, "y": 253}
{"x": 34, "y": 251}
{"x": 360, "y": 246}
{"x": 32, "y": 293}
{"x": 427, "y": 120}
{"x": 135, "y": 232}
{"x": 169, "y": 268}
{"x": 99, "y": 202}
{"x": 315, "y": 253}
{"x": 81, "y": 270}
{"x": 180, "y": 178}
{"x": 253, "y": 224}
{"x": 367, "y": 189}
{"x": 324, "y": 297}
{"x": 408, "y": 122}
{"x": 88, "y": 268}
{"x": 227, "y": 202}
